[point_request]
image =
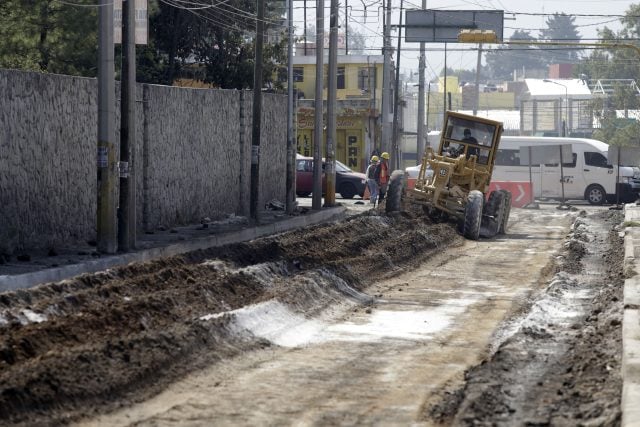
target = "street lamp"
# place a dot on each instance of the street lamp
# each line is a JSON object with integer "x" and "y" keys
{"x": 565, "y": 120}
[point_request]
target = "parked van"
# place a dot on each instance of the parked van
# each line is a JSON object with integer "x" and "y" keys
{"x": 586, "y": 175}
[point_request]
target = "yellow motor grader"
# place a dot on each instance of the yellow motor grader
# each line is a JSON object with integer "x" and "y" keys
{"x": 454, "y": 181}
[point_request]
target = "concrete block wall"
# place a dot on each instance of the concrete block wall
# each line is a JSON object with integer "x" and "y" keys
{"x": 191, "y": 159}
{"x": 193, "y": 152}
{"x": 48, "y": 135}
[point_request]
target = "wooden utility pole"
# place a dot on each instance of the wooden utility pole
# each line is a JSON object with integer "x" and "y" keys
{"x": 127, "y": 210}
{"x": 291, "y": 151}
{"x": 396, "y": 100}
{"x": 106, "y": 222}
{"x": 257, "y": 116}
{"x": 330, "y": 165}
{"x": 316, "y": 201}
{"x": 386, "y": 81}
{"x": 421, "y": 116}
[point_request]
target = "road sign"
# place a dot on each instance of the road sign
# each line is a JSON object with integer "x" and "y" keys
{"x": 142, "y": 22}
{"x": 443, "y": 26}
{"x": 520, "y": 191}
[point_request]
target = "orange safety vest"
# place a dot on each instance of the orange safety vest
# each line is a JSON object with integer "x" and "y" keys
{"x": 384, "y": 176}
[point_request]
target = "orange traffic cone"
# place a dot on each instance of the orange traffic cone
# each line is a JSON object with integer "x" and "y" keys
{"x": 366, "y": 195}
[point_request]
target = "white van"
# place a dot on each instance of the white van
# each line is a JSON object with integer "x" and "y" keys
{"x": 586, "y": 176}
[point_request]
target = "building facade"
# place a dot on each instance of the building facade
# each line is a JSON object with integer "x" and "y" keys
{"x": 359, "y": 97}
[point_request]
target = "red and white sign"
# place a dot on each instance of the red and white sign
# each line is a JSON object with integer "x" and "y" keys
{"x": 520, "y": 191}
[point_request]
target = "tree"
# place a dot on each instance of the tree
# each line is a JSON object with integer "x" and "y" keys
{"x": 60, "y": 37}
{"x": 502, "y": 62}
{"x": 560, "y": 27}
{"x": 616, "y": 63}
{"x": 47, "y": 35}
{"x": 357, "y": 42}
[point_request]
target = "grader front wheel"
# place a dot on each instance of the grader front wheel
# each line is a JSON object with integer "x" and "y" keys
{"x": 473, "y": 215}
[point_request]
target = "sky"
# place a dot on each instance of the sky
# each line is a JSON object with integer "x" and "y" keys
{"x": 365, "y": 16}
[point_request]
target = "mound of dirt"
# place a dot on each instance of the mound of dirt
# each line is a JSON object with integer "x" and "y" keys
{"x": 81, "y": 345}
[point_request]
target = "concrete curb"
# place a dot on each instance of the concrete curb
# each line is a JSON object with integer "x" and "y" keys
{"x": 631, "y": 323}
{"x": 27, "y": 280}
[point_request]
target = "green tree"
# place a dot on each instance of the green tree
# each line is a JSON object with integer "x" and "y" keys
{"x": 47, "y": 35}
{"x": 611, "y": 62}
{"x": 616, "y": 63}
{"x": 502, "y": 62}
{"x": 357, "y": 42}
{"x": 560, "y": 27}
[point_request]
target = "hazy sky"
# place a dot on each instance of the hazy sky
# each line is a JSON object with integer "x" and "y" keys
{"x": 365, "y": 17}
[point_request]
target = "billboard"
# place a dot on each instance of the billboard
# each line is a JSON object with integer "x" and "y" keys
{"x": 443, "y": 26}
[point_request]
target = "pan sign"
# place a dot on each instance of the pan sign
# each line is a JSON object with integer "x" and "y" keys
{"x": 443, "y": 26}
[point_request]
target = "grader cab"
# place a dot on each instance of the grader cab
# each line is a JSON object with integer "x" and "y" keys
{"x": 454, "y": 180}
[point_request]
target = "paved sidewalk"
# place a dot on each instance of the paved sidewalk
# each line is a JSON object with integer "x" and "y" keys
{"x": 631, "y": 320}
{"x": 65, "y": 263}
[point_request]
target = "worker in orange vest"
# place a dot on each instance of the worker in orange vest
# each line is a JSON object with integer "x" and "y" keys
{"x": 382, "y": 175}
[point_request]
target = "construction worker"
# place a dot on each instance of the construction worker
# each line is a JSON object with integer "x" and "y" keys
{"x": 382, "y": 175}
{"x": 371, "y": 179}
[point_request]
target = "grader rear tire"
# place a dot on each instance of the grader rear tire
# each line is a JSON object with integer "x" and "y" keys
{"x": 494, "y": 210}
{"x": 502, "y": 229}
{"x": 394, "y": 192}
{"x": 473, "y": 215}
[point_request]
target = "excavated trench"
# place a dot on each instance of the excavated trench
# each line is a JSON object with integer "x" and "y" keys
{"x": 104, "y": 340}
{"x": 375, "y": 319}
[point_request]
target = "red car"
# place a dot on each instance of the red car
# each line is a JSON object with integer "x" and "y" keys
{"x": 348, "y": 182}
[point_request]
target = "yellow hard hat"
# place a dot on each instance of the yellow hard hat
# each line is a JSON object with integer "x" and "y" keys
{"x": 374, "y": 158}
{"x": 385, "y": 155}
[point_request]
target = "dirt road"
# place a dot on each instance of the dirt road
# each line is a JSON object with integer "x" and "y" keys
{"x": 318, "y": 327}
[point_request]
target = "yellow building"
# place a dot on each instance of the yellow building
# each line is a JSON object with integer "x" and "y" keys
{"x": 359, "y": 96}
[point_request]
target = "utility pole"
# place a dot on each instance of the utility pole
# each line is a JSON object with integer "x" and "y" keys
{"x": 330, "y": 168}
{"x": 257, "y": 116}
{"x": 396, "y": 98}
{"x": 476, "y": 88}
{"x": 421, "y": 72}
{"x": 106, "y": 222}
{"x": 127, "y": 211}
{"x": 444, "y": 90}
{"x": 346, "y": 28}
{"x": 316, "y": 201}
{"x": 291, "y": 152}
{"x": 386, "y": 80}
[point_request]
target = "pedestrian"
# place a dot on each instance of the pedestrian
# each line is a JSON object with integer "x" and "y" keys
{"x": 382, "y": 176}
{"x": 371, "y": 179}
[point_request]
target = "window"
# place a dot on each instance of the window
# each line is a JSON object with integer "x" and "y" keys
{"x": 595, "y": 159}
{"x": 508, "y": 158}
{"x": 304, "y": 166}
{"x": 298, "y": 74}
{"x": 571, "y": 164}
{"x": 341, "y": 78}
{"x": 366, "y": 78}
